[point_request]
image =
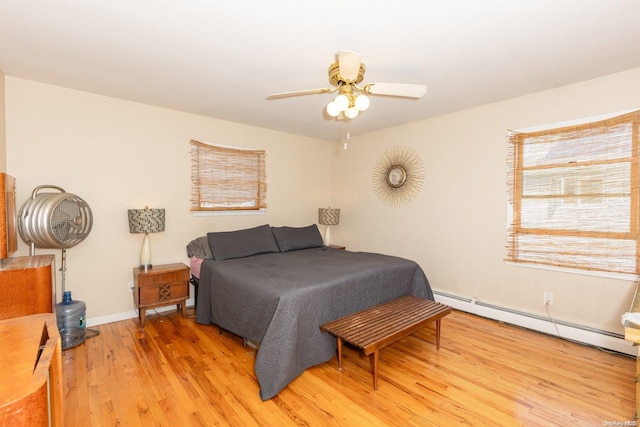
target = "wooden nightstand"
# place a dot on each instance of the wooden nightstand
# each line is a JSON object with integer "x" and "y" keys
{"x": 160, "y": 285}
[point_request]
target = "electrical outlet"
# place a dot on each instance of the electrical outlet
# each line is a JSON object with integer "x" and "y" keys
{"x": 548, "y": 298}
{"x": 130, "y": 285}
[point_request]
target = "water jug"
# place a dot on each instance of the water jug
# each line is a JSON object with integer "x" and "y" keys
{"x": 71, "y": 321}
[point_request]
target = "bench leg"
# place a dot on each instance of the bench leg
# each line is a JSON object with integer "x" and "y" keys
{"x": 373, "y": 358}
{"x": 438, "y": 334}
{"x": 339, "y": 340}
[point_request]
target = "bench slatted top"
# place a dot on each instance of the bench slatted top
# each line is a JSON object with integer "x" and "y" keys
{"x": 379, "y": 326}
{"x": 382, "y": 325}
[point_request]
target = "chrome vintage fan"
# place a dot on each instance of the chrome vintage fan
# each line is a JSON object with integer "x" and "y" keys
{"x": 54, "y": 221}
{"x": 345, "y": 75}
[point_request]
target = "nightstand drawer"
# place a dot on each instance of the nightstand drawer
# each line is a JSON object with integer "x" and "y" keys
{"x": 165, "y": 292}
{"x": 164, "y": 277}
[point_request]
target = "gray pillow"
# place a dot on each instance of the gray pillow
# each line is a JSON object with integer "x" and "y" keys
{"x": 296, "y": 238}
{"x": 199, "y": 248}
{"x": 242, "y": 243}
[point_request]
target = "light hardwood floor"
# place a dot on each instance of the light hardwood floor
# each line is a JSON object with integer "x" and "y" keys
{"x": 178, "y": 373}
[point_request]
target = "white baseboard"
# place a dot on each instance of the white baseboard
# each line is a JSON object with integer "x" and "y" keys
{"x": 116, "y": 317}
{"x": 586, "y": 335}
{"x": 96, "y": 321}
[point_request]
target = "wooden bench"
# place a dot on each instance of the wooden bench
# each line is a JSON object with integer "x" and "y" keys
{"x": 377, "y": 327}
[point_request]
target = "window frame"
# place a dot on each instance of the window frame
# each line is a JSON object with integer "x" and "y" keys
{"x": 227, "y": 180}
{"x": 516, "y": 161}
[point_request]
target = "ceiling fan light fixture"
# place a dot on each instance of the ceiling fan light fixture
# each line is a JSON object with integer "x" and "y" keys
{"x": 344, "y": 76}
{"x": 361, "y": 102}
{"x": 332, "y": 109}
{"x": 351, "y": 113}
{"x": 342, "y": 102}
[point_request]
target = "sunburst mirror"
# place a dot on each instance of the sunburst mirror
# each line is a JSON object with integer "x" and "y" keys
{"x": 398, "y": 176}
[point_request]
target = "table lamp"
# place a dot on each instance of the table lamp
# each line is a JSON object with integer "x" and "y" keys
{"x": 328, "y": 217}
{"x": 146, "y": 221}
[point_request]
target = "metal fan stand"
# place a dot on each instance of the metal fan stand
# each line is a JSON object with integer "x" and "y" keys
{"x": 63, "y": 268}
{"x": 55, "y": 220}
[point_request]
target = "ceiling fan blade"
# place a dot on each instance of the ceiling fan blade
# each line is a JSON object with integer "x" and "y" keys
{"x": 349, "y": 63}
{"x": 298, "y": 93}
{"x": 396, "y": 89}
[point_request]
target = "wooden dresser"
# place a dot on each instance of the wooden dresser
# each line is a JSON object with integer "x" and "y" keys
{"x": 30, "y": 345}
{"x": 27, "y": 285}
{"x": 31, "y": 373}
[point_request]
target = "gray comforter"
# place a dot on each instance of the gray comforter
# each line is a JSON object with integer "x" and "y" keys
{"x": 280, "y": 299}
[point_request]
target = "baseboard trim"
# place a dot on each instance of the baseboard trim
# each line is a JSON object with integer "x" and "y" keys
{"x": 591, "y": 336}
{"x": 116, "y": 317}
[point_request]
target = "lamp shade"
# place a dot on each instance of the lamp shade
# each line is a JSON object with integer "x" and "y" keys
{"x": 328, "y": 216}
{"x": 146, "y": 220}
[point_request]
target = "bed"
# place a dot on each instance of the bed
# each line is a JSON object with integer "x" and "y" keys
{"x": 275, "y": 286}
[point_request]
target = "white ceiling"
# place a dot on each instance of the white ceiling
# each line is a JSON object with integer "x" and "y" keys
{"x": 223, "y": 58}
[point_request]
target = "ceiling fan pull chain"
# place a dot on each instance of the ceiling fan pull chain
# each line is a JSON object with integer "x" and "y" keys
{"x": 346, "y": 141}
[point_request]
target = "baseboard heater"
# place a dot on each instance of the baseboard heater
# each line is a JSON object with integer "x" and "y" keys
{"x": 584, "y": 334}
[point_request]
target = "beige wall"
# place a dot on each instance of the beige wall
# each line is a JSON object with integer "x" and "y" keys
{"x": 456, "y": 227}
{"x": 117, "y": 155}
{"x": 3, "y": 139}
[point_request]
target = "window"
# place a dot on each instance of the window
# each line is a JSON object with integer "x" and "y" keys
{"x": 227, "y": 179}
{"x": 574, "y": 194}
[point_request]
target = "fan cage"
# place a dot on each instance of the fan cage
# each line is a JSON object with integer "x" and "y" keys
{"x": 55, "y": 220}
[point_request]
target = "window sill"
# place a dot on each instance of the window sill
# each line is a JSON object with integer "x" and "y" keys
{"x": 605, "y": 274}
{"x": 229, "y": 213}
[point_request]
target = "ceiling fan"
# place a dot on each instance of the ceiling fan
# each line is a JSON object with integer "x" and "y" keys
{"x": 345, "y": 75}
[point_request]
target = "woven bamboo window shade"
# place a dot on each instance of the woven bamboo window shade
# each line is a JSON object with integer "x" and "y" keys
{"x": 575, "y": 196}
{"x": 227, "y": 179}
